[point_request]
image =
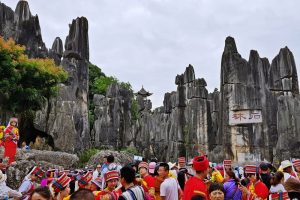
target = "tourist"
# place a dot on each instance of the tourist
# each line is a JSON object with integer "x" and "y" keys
{"x": 231, "y": 189}
{"x": 132, "y": 192}
{"x": 27, "y": 185}
{"x": 111, "y": 179}
{"x": 5, "y": 191}
{"x": 296, "y": 164}
{"x": 96, "y": 184}
{"x": 183, "y": 174}
{"x": 216, "y": 191}
{"x": 157, "y": 183}
{"x": 287, "y": 169}
{"x": 276, "y": 183}
{"x": 97, "y": 172}
{"x": 111, "y": 165}
{"x": 255, "y": 188}
{"x": 146, "y": 180}
{"x": 82, "y": 194}
{"x": 152, "y": 166}
{"x": 41, "y": 193}
{"x": 1, "y": 134}
{"x": 84, "y": 181}
{"x": 196, "y": 185}
{"x": 173, "y": 170}
{"x": 169, "y": 187}
{"x": 10, "y": 141}
{"x": 217, "y": 174}
{"x": 61, "y": 187}
{"x": 292, "y": 186}
{"x": 265, "y": 174}
{"x": 104, "y": 164}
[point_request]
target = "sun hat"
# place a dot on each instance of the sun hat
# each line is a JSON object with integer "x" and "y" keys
{"x": 152, "y": 166}
{"x": 285, "y": 164}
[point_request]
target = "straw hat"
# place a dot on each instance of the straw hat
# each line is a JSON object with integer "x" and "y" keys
{"x": 171, "y": 165}
{"x": 285, "y": 164}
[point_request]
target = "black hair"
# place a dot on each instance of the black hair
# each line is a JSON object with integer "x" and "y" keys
{"x": 165, "y": 166}
{"x": 197, "y": 197}
{"x": 110, "y": 159}
{"x": 43, "y": 191}
{"x": 128, "y": 174}
{"x": 249, "y": 174}
{"x": 276, "y": 179}
{"x": 82, "y": 194}
{"x": 231, "y": 174}
{"x": 216, "y": 186}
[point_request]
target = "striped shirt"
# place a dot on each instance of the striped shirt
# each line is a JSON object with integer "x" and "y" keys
{"x": 133, "y": 193}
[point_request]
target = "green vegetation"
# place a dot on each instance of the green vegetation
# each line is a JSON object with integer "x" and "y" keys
{"x": 25, "y": 83}
{"x": 134, "y": 110}
{"x": 131, "y": 150}
{"x": 98, "y": 84}
{"x": 85, "y": 156}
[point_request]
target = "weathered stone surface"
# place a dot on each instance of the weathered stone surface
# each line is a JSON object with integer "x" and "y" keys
{"x": 112, "y": 126}
{"x": 23, "y": 28}
{"x": 257, "y": 85}
{"x": 56, "y": 52}
{"x": 66, "y": 115}
{"x": 45, "y": 159}
{"x": 77, "y": 40}
{"x": 121, "y": 158}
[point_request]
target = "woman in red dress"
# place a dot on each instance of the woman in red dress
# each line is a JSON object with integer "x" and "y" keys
{"x": 11, "y": 138}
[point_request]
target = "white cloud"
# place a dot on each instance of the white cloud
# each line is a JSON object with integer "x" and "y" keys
{"x": 148, "y": 42}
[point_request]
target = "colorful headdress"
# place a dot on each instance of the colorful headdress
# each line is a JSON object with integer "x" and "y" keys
{"x": 250, "y": 169}
{"x": 200, "y": 163}
{"x": 98, "y": 182}
{"x": 61, "y": 183}
{"x": 296, "y": 163}
{"x": 85, "y": 179}
{"x": 37, "y": 171}
{"x": 13, "y": 119}
{"x": 143, "y": 164}
{"x": 111, "y": 175}
{"x": 227, "y": 163}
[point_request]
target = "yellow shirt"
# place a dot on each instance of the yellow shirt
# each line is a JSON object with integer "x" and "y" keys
{"x": 217, "y": 177}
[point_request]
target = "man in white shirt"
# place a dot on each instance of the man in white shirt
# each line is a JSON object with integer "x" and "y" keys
{"x": 168, "y": 188}
{"x": 97, "y": 172}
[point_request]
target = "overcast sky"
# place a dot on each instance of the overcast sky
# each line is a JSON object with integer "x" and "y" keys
{"x": 149, "y": 42}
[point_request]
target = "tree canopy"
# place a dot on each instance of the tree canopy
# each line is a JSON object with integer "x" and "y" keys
{"x": 26, "y": 82}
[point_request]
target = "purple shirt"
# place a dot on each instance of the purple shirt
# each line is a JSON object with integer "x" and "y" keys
{"x": 231, "y": 190}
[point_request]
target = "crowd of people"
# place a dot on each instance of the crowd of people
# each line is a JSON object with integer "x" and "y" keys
{"x": 195, "y": 180}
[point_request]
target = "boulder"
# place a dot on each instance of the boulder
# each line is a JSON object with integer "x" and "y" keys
{"x": 121, "y": 158}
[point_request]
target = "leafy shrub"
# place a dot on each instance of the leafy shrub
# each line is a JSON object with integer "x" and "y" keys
{"x": 85, "y": 156}
{"x": 131, "y": 150}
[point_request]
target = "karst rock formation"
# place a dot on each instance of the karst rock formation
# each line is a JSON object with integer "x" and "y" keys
{"x": 253, "y": 116}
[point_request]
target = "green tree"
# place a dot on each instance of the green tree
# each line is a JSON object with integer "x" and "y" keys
{"x": 25, "y": 83}
{"x": 101, "y": 84}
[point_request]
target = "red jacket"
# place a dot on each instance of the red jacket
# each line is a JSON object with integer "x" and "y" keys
{"x": 194, "y": 186}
